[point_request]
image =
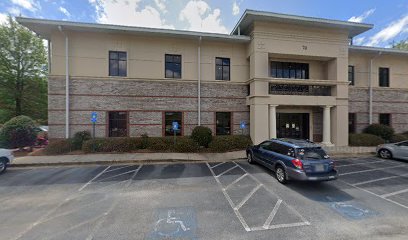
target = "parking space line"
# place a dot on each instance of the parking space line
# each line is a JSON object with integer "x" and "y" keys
{"x": 394, "y": 193}
{"x": 380, "y": 179}
{"x": 111, "y": 170}
{"x": 272, "y": 215}
{"x": 216, "y": 165}
{"x": 354, "y": 164}
{"x": 236, "y": 180}
{"x": 365, "y": 190}
{"x": 247, "y": 197}
{"x": 116, "y": 175}
{"x": 90, "y": 181}
{"x": 369, "y": 170}
{"x": 219, "y": 175}
{"x": 284, "y": 225}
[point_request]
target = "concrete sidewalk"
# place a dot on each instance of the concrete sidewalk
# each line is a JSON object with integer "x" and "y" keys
{"x": 108, "y": 158}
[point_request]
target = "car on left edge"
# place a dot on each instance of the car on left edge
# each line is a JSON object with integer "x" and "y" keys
{"x": 6, "y": 157}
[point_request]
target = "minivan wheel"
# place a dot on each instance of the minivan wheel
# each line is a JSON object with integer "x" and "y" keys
{"x": 280, "y": 174}
{"x": 384, "y": 153}
{"x": 3, "y": 165}
{"x": 249, "y": 158}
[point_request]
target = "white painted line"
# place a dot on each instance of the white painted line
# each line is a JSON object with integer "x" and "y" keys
{"x": 116, "y": 175}
{"x": 247, "y": 197}
{"x": 216, "y": 165}
{"x": 354, "y": 164}
{"x": 236, "y": 180}
{"x": 272, "y": 215}
{"x": 281, "y": 226}
{"x": 370, "y": 170}
{"x": 237, "y": 213}
{"x": 90, "y": 181}
{"x": 394, "y": 193}
{"x": 219, "y": 175}
{"x": 111, "y": 170}
{"x": 379, "y": 179}
{"x": 386, "y": 199}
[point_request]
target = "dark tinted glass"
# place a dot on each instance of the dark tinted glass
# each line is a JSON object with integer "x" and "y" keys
{"x": 385, "y": 119}
{"x": 311, "y": 153}
{"x": 351, "y": 74}
{"x": 172, "y": 66}
{"x": 169, "y": 118}
{"x": 384, "y": 77}
{"x": 289, "y": 70}
{"x": 223, "y": 123}
{"x": 118, "y": 124}
{"x": 117, "y": 63}
{"x": 222, "y": 69}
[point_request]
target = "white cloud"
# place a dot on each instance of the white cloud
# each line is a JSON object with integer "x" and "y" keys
{"x": 64, "y": 11}
{"x": 235, "y": 8}
{"x": 128, "y": 13}
{"x": 199, "y": 16}
{"x": 15, "y": 11}
{"x": 389, "y": 32}
{"x": 362, "y": 17}
{"x": 358, "y": 40}
{"x": 161, "y": 5}
{"x": 3, "y": 18}
{"x": 27, "y": 4}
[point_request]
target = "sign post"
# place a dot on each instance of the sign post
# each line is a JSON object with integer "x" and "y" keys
{"x": 94, "y": 118}
{"x": 175, "y": 127}
{"x": 242, "y": 125}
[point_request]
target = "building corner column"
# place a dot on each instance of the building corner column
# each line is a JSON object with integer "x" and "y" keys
{"x": 272, "y": 121}
{"x": 327, "y": 126}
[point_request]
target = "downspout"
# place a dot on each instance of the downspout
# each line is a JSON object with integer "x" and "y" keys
{"x": 370, "y": 90}
{"x": 199, "y": 81}
{"x": 66, "y": 84}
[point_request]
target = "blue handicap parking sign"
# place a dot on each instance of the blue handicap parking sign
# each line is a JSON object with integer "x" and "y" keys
{"x": 175, "y": 126}
{"x": 242, "y": 125}
{"x": 94, "y": 117}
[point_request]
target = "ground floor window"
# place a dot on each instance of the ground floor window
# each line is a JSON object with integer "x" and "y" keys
{"x": 118, "y": 124}
{"x": 169, "y": 118}
{"x": 385, "y": 119}
{"x": 223, "y": 123}
{"x": 352, "y": 122}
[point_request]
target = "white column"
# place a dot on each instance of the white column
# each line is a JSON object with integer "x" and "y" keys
{"x": 272, "y": 121}
{"x": 326, "y": 126}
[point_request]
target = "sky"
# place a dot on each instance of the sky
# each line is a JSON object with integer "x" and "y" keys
{"x": 390, "y": 17}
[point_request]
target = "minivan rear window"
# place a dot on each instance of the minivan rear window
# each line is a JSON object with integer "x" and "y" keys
{"x": 312, "y": 153}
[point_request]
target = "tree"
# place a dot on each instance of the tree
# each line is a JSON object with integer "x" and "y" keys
{"x": 23, "y": 69}
{"x": 403, "y": 45}
{"x": 19, "y": 132}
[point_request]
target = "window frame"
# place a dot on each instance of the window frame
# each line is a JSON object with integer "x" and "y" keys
{"x": 381, "y": 74}
{"x": 389, "y": 116}
{"x": 289, "y": 70}
{"x": 230, "y": 125}
{"x": 108, "y": 125}
{"x": 118, "y": 61}
{"x": 164, "y": 124}
{"x": 222, "y": 68}
{"x": 352, "y": 80}
{"x": 173, "y": 62}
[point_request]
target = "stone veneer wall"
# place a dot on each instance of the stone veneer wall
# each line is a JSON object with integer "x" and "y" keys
{"x": 145, "y": 100}
{"x": 387, "y": 100}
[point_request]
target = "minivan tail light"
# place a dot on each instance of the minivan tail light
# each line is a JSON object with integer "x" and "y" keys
{"x": 298, "y": 164}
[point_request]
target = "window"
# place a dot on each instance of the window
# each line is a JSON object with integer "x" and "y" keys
{"x": 117, "y": 63}
{"x": 173, "y": 66}
{"x": 223, "y": 123}
{"x": 118, "y": 124}
{"x": 384, "y": 77}
{"x": 281, "y": 149}
{"x": 222, "y": 69}
{"x": 385, "y": 119}
{"x": 351, "y": 74}
{"x": 352, "y": 122}
{"x": 169, "y": 118}
{"x": 289, "y": 70}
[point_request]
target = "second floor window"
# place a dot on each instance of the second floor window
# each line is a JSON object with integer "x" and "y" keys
{"x": 351, "y": 74}
{"x": 289, "y": 70}
{"x": 384, "y": 77}
{"x": 173, "y": 66}
{"x": 222, "y": 69}
{"x": 117, "y": 63}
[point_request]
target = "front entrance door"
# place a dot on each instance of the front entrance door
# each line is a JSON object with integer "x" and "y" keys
{"x": 293, "y": 125}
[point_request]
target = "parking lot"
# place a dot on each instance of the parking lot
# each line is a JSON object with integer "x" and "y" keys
{"x": 231, "y": 200}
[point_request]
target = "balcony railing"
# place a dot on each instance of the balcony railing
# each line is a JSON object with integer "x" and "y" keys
{"x": 292, "y": 89}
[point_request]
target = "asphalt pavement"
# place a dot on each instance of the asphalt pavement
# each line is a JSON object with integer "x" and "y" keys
{"x": 213, "y": 200}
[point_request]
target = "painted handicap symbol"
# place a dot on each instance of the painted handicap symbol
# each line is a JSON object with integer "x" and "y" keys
{"x": 170, "y": 226}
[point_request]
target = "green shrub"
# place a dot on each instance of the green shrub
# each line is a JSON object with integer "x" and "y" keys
{"x": 383, "y": 131}
{"x": 399, "y": 138}
{"x": 125, "y": 144}
{"x": 229, "y": 143}
{"x": 18, "y": 132}
{"x": 79, "y": 138}
{"x": 144, "y": 141}
{"x": 160, "y": 144}
{"x": 364, "y": 139}
{"x": 202, "y": 135}
{"x": 60, "y": 146}
{"x": 186, "y": 145}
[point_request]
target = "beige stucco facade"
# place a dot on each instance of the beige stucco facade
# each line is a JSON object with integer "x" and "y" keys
{"x": 259, "y": 39}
